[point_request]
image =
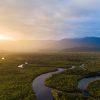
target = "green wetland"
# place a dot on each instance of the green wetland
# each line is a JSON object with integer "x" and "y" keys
{"x": 16, "y": 83}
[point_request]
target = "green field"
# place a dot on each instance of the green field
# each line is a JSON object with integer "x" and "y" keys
{"x": 16, "y": 83}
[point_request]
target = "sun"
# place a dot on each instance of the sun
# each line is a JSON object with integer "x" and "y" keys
{"x": 4, "y": 37}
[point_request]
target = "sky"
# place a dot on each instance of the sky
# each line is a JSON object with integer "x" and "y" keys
{"x": 49, "y": 19}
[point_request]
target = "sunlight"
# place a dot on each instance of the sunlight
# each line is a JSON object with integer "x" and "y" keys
{"x": 4, "y": 37}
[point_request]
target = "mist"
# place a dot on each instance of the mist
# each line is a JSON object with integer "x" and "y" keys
{"x": 28, "y": 45}
{"x": 71, "y": 44}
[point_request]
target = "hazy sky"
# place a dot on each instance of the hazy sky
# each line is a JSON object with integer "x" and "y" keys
{"x": 49, "y": 19}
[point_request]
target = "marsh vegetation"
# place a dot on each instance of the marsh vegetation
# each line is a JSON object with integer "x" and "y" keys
{"x": 16, "y": 83}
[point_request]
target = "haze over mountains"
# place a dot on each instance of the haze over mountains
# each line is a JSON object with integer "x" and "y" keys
{"x": 75, "y": 44}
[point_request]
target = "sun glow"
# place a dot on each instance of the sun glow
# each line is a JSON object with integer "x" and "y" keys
{"x": 4, "y": 37}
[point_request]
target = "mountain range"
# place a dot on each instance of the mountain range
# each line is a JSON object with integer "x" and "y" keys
{"x": 74, "y": 44}
{"x": 82, "y": 44}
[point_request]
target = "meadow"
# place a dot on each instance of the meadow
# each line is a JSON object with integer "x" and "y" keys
{"x": 16, "y": 83}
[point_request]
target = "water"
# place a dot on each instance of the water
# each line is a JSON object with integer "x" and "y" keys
{"x": 21, "y": 66}
{"x": 42, "y": 92}
{"x": 83, "y": 83}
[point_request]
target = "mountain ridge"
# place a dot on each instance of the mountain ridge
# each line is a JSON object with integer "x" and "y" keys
{"x": 67, "y": 44}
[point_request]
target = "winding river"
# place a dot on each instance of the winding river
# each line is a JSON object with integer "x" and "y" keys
{"x": 83, "y": 83}
{"x": 42, "y": 92}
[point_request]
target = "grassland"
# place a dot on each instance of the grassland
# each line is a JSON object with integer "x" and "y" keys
{"x": 16, "y": 83}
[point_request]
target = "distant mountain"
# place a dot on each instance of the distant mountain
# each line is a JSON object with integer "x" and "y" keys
{"x": 75, "y": 44}
{"x": 81, "y": 44}
{"x": 83, "y": 49}
{"x": 87, "y": 41}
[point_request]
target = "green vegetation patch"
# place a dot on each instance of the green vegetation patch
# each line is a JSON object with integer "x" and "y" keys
{"x": 94, "y": 88}
{"x": 66, "y": 81}
{"x": 70, "y": 96}
{"x": 63, "y": 83}
{"x": 16, "y": 83}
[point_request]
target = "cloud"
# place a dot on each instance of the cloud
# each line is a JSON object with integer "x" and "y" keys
{"x": 49, "y": 19}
